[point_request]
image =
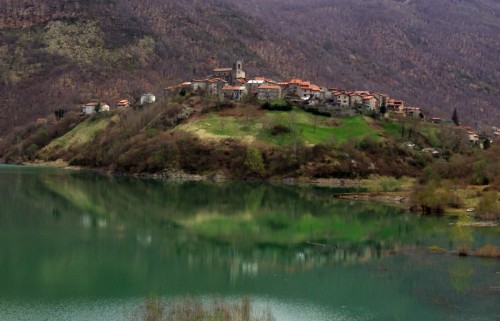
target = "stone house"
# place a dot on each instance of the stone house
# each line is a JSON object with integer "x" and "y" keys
{"x": 308, "y": 90}
{"x": 215, "y": 85}
{"x": 395, "y": 105}
{"x": 174, "y": 90}
{"x": 304, "y": 91}
{"x": 315, "y": 91}
{"x": 370, "y": 103}
{"x": 235, "y": 93}
{"x": 254, "y": 84}
{"x": 355, "y": 100}
{"x": 383, "y": 99}
{"x": 412, "y": 112}
{"x": 341, "y": 99}
{"x": 269, "y": 92}
{"x": 293, "y": 87}
{"x": 198, "y": 85}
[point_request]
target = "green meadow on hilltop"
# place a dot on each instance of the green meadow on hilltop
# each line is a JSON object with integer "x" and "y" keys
{"x": 308, "y": 128}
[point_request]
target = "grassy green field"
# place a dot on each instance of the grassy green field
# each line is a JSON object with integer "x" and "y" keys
{"x": 81, "y": 134}
{"x": 306, "y": 127}
{"x": 392, "y": 128}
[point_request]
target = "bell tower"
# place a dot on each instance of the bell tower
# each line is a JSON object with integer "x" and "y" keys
{"x": 238, "y": 71}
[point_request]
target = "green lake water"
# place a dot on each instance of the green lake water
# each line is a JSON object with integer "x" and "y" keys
{"x": 80, "y": 246}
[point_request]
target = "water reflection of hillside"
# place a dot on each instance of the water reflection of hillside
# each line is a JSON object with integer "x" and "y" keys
{"x": 231, "y": 212}
{"x": 66, "y": 234}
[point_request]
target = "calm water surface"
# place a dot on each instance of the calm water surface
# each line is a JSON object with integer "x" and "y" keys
{"x": 79, "y": 246}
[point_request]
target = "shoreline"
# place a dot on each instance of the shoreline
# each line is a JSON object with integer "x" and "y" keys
{"x": 399, "y": 198}
{"x": 179, "y": 175}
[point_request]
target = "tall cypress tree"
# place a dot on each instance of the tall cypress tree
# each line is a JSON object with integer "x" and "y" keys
{"x": 454, "y": 117}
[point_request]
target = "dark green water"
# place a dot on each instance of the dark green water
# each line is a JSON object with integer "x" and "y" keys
{"x": 78, "y": 246}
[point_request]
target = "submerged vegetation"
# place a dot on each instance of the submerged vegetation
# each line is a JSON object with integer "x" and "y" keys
{"x": 191, "y": 309}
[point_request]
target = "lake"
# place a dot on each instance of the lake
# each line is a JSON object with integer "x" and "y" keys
{"x": 81, "y": 246}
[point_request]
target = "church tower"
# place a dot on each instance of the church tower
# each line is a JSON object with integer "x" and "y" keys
{"x": 238, "y": 71}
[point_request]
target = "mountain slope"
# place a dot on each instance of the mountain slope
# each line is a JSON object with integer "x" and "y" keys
{"x": 438, "y": 54}
{"x": 59, "y": 53}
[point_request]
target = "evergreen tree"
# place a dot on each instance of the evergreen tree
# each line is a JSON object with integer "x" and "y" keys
{"x": 454, "y": 117}
{"x": 486, "y": 144}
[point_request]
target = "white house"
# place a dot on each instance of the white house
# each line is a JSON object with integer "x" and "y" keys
{"x": 254, "y": 84}
{"x": 147, "y": 99}
{"x": 90, "y": 108}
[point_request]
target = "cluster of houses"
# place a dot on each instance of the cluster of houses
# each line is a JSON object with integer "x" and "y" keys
{"x": 232, "y": 84}
{"x": 95, "y": 106}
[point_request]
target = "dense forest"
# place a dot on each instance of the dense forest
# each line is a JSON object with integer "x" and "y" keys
{"x": 438, "y": 55}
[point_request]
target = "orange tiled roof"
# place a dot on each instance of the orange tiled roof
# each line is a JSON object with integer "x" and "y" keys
{"x": 232, "y": 88}
{"x": 295, "y": 82}
{"x": 269, "y": 87}
{"x": 212, "y": 80}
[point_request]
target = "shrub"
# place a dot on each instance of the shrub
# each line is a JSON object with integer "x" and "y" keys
{"x": 279, "y": 105}
{"x": 433, "y": 198}
{"x": 384, "y": 184}
{"x": 488, "y": 250}
{"x": 31, "y": 151}
{"x": 254, "y": 163}
{"x": 279, "y": 130}
{"x": 489, "y": 205}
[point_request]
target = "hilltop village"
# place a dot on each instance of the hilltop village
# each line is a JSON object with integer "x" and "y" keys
{"x": 232, "y": 84}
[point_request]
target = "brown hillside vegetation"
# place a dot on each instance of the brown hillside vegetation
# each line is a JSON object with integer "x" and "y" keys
{"x": 436, "y": 54}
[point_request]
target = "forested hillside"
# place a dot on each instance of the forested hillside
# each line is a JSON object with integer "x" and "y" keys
{"x": 436, "y": 54}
